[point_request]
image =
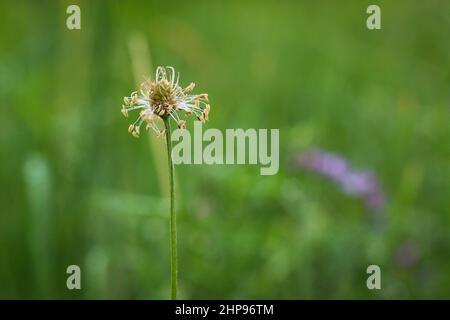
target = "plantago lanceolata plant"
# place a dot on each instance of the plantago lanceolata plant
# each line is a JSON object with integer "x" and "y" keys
{"x": 163, "y": 98}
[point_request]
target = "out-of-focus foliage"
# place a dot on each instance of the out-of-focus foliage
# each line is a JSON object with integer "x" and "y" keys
{"x": 76, "y": 188}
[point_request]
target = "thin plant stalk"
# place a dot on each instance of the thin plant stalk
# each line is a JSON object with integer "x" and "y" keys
{"x": 173, "y": 216}
{"x": 162, "y": 98}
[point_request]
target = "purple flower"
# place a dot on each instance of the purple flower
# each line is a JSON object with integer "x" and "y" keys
{"x": 357, "y": 183}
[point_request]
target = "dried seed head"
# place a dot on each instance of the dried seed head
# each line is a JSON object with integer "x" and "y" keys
{"x": 163, "y": 98}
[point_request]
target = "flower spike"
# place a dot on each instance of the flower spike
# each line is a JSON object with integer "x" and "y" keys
{"x": 163, "y": 98}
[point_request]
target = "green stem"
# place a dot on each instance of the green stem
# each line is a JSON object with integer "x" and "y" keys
{"x": 173, "y": 217}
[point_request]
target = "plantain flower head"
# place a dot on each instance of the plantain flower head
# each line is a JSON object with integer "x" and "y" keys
{"x": 161, "y": 98}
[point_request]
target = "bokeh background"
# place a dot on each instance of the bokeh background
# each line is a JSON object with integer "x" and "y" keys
{"x": 76, "y": 188}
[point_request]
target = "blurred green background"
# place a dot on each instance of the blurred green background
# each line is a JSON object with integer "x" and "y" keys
{"x": 76, "y": 188}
